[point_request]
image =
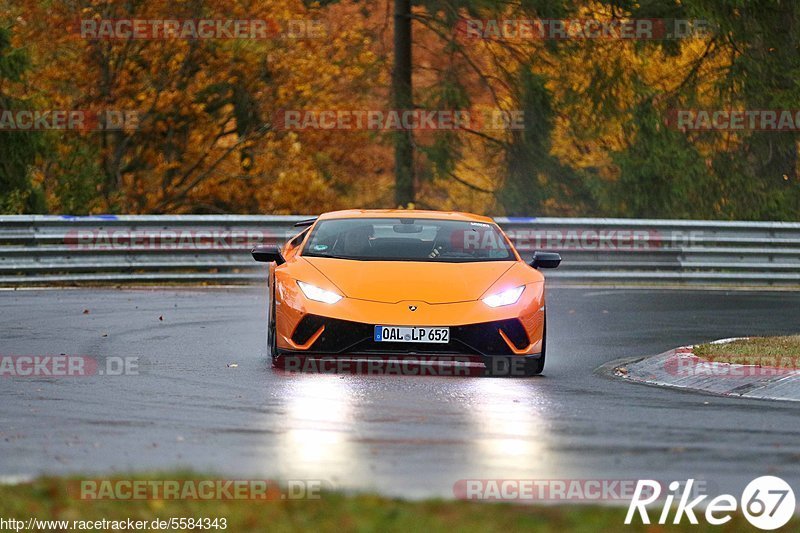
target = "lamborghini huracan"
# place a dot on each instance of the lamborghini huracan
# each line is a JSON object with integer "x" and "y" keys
{"x": 398, "y": 282}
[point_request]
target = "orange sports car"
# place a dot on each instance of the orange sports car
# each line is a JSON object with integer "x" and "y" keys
{"x": 396, "y": 282}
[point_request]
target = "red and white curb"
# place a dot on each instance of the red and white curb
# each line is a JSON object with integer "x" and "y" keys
{"x": 680, "y": 368}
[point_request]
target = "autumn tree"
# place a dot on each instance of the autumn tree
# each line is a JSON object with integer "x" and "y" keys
{"x": 18, "y": 149}
{"x": 206, "y": 139}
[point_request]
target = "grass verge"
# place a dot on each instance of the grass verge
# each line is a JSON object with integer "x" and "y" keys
{"x": 781, "y": 352}
{"x": 55, "y": 499}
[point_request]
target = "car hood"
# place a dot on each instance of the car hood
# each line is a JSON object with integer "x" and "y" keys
{"x": 397, "y": 281}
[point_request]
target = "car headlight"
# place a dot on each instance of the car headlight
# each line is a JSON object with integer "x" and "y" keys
{"x": 313, "y": 292}
{"x": 507, "y": 297}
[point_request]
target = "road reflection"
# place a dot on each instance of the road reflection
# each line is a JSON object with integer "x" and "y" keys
{"x": 349, "y": 431}
{"x": 318, "y": 420}
{"x": 510, "y": 431}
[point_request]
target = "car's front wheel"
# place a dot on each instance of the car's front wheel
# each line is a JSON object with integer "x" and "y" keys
{"x": 272, "y": 337}
{"x": 538, "y": 365}
{"x": 518, "y": 366}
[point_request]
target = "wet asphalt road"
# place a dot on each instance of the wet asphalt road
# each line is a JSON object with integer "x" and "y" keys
{"x": 409, "y": 436}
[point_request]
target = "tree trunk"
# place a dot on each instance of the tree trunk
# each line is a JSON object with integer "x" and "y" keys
{"x": 402, "y": 99}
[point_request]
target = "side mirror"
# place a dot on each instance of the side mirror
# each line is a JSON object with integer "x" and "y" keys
{"x": 268, "y": 254}
{"x": 546, "y": 260}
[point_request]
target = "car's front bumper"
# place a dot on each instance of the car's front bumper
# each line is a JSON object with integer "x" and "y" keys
{"x": 306, "y": 326}
{"x": 316, "y": 334}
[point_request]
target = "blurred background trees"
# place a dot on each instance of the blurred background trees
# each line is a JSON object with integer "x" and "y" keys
{"x": 596, "y": 139}
{"x": 18, "y": 149}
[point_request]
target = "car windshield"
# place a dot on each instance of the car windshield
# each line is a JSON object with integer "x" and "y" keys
{"x": 406, "y": 239}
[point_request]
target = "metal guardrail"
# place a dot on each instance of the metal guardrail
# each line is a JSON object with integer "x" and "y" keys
{"x": 215, "y": 248}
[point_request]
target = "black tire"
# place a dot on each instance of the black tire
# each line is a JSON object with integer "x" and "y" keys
{"x": 534, "y": 367}
{"x": 272, "y": 339}
{"x": 510, "y": 367}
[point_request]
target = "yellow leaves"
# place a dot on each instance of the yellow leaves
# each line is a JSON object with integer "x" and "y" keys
{"x": 195, "y": 149}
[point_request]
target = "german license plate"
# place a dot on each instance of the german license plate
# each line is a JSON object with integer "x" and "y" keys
{"x": 412, "y": 334}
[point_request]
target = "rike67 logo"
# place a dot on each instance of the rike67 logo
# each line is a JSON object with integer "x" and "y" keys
{"x": 767, "y": 502}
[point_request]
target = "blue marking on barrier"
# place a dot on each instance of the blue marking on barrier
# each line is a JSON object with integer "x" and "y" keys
{"x": 89, "y": 217}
